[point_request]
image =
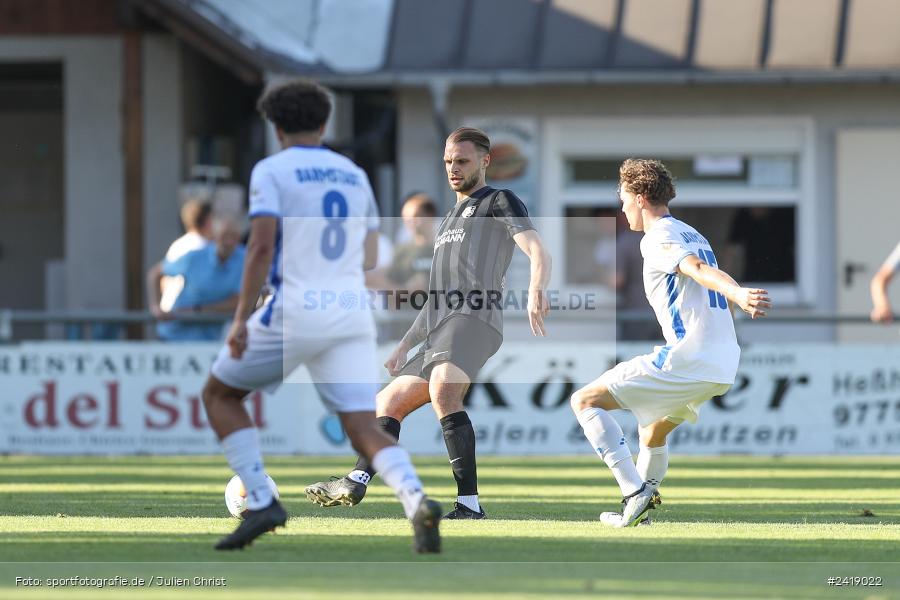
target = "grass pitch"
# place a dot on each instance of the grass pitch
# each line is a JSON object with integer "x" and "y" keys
{"x": 732, "y": 527}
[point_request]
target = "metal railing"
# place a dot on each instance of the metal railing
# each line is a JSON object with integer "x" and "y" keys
{"x": 84, "y": 320}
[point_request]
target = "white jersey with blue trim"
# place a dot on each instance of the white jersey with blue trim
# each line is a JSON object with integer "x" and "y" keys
{"x": 700, "y": 341}
{"x": 325, "y": 207}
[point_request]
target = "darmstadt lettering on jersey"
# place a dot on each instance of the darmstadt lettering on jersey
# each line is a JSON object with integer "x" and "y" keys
{"x": 329, "y": 175}
{"x": 690, "y": 236}
{"x": 451, "y": 235}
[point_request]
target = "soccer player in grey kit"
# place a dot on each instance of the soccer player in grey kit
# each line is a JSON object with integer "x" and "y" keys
{"x": 461, "y": 324}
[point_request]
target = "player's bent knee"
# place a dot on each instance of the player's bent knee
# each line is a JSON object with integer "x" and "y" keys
{"x": 209, "y": 393}
{"x": 401, "y": 397}
{"x": 447, "y": 404}
{"x": 215, "y": 391}
{"x": 593, "y": 396}
{"x": 393, "y": 406}
{"x": 576, "y": 400}
{"x": 580, "y": 400}
{"x": 386, "y": 405}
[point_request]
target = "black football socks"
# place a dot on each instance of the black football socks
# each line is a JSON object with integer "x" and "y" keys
{"x": 364, "y": 469}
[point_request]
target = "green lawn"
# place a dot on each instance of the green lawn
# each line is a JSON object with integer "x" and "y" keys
{"x": 732, "y": 527}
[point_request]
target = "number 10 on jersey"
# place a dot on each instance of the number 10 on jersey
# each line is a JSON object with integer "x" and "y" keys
{"x": 716, "y": 300}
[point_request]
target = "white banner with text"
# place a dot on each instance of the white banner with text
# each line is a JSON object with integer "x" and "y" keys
{"x": 144, "y": 398}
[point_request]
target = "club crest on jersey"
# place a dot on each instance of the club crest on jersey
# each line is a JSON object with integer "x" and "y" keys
{"x": 468, "y": 212}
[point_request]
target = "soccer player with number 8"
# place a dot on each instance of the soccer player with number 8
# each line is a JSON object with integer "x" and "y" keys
{"x": 314, "y": 228}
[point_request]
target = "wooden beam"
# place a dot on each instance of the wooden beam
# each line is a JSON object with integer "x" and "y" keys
{"x": 67, "y": 17}
{"x": 133, "y": 133}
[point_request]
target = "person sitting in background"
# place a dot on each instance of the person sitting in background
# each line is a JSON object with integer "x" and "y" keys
{"x": 882, "y": 312}
{"x": 196, "y": 217}
{"x": 212, "y": 280}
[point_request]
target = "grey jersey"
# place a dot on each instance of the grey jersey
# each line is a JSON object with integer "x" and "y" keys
{"x": 472, "y": 252}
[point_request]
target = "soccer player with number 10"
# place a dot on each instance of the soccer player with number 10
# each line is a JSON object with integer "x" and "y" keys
{"x": 690, "y": 297}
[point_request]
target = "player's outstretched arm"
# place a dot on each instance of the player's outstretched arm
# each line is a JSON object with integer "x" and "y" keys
{"x": 257, "y": 262}
{"x": 753, "y": 301}
{"x": 538, "y": 305}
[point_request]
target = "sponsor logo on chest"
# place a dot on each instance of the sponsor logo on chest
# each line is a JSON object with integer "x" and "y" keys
{"x": 450, "y": 236}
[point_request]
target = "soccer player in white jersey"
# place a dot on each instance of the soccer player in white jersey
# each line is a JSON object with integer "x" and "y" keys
{"x": 690, "y": 297}
{"x": 313, "y": 229}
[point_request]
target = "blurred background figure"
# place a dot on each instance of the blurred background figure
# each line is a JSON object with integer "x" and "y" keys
{"x": 212, "y": 280}
{"x": 882, "y": 312}
{"x": 617, "y": 265}
{"x": 196, "y": 218}
{"x": 404, "y": 234}
{"x": 409, "y": 266}
{"x": 631, "y": 298}
{"x": 604, "y": 253}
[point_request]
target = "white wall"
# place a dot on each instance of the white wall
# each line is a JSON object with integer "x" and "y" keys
{"x": 419, "y": 164}
{"x": 93, "y": 161}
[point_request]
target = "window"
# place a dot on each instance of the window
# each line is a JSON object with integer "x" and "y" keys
{"x": 734, "y": 177}
{"x": 766, "y": 171}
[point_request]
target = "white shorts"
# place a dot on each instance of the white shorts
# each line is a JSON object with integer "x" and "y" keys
{"x": 652, "y": 394}
{"x": 344, "y": 370}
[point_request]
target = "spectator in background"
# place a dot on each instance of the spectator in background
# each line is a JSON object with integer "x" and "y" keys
{"x": 196, "y": 217}
{"x": 770, "y": 262}
{"x": 631, "y": 297}
{"x": 882, "y": 312}
{"x": 604, "y": 252}
{"x": 404, "y": 235}
{"x": 212, "y": 280}
{"x": 617, "y": 264}
{"x": 411, "y": 263}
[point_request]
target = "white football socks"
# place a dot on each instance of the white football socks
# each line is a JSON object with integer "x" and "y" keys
{"x": 470, "y": 502}
{"x": 396, "y": 469}
{"x": 245, "y": 459}
{"x": 608, "y": 441}
{"x": 652, "y": 464}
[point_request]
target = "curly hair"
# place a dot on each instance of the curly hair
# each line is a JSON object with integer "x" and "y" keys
{"x": 296, "y": 106}
{"x": 648, "y": 178}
